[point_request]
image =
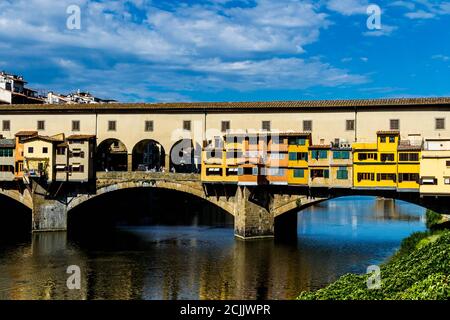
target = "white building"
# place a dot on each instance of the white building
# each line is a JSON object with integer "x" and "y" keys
{"x": 13, "y": 91}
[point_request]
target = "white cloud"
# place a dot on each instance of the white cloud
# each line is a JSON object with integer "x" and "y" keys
{"x": 420, "y": 14}
{"x": 385, "y": 30}
{"x": 348, "y": 7}
{"x": 441, "y": 57}
{"x": 158, "y": 52}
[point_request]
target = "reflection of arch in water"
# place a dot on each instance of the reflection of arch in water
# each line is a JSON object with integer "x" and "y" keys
{"x": 112, "y": 155}
{"x": 149, "y": 153}
{"x": 184, "y": 157}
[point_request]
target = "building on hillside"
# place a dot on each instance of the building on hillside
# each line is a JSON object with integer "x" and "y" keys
{"x": 435, "y": 167}
{"x": 7, "y": 153}
{"x": 75, "y": 98}
{"x": 13, "y": 91}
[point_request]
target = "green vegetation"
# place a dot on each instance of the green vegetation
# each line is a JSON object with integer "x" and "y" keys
{"x": 419, "y": 270}
{"x": 433, "y": 219}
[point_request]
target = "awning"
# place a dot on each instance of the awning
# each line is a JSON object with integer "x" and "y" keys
{"x": 60, "y": 166}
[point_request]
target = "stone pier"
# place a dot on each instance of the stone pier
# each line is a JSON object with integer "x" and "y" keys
{"x": 48, "y": 214}
{"x": 252, "y": 217}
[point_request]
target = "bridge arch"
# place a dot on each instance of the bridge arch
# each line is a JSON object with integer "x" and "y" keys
{"x": 112, "y": 155}
{"x": 24, "y": 198}
{"x": 185, "y": 156}
{"x": 179, "y": 186}
{"x": 150, "y": 153}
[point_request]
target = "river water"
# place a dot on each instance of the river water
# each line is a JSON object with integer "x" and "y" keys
{"x": 207, "y": 262}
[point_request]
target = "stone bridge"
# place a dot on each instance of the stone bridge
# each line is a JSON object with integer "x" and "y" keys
{"x": 254, "y": 212}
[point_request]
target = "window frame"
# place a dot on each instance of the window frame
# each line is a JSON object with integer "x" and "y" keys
{"x": 149, "y": 126}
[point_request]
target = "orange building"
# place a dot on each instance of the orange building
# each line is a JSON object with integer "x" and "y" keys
{"x": 251, "y": 168}
{"x": 277, "y": 160}
{"x": 19, "y": 158}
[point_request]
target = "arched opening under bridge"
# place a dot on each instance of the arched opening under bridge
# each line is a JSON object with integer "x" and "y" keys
{"x": 149, "y": 155}
{"x": 112, "y": 155}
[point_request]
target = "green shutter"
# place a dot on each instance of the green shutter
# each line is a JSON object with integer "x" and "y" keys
{"x": 299, "y": 173}
{"x": 292, "y": 156}
{"x": 326, "y": 174}
{"x": 323, "y": 154}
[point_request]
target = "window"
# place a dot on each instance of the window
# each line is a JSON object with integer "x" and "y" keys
{"x": 387, "y": 157}
{"x": 342, "y": 173}
{"x": 409, "y": 156}
{"x": 30, "y": 149}
{"x": 299, "y": 173}
{"x": 383, "y": 139}
{"x": 6, "y": 152}
{"x": 61, "y": 151}
{"x": 75, "y": 125}
{"x": 386, "y": 177}
{"x": 307, "y": 125}
{"x": 446, "y": 180}
{"x": 447, "y": 163}
{"x": 77, "y": 168}
{"x": 41, "y": 125}
{"x": 394, "y": 124}
{"x": 319, "y": 154}
{"x": 391, "y": 139}
{"x": 266, "y": 125}
{"x": 187, "y": 125}
{"x": 440, "y": 123}
{"x": 6, "y": 125}
{"x": 225, "y": 126}
{"x": 297, "y": 141}
{"x": 341, "y": 154}
{"x": 232, "y": 171}
{"x": 112, "y": 125}
{"x": 277, "y": 156}
{"x": 350, "y": 125}
{"x": 366, "y": 176}
{"x": 44, "y": 150}
{"x": 410, "y": 177}
{"x": 428, "y": 181}
{"x": 148, "y": 126}
{"x": 214, "y": 171}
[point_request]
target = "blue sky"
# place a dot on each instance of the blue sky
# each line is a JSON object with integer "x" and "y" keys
{"x": 229, "y": 50}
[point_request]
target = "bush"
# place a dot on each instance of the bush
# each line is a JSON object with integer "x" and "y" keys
{"x": 419, "y": 270}
{"x": 432, "y": 218}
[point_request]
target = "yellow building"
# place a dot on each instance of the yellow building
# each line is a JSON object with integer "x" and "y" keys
{"x": 435, "y": 167}
{"x": 213, "y": 163}
{"x": 298, "y": 172}
{"x": 375, "y": 164}
{"x": 408, "y": 167}
{"x": 40, "y": 157}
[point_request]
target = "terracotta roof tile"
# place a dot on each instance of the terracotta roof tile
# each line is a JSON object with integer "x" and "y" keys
{"x": 80, "y": 137}
{"x": 26, "y": 133}
{"x": 218, "y": 106}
